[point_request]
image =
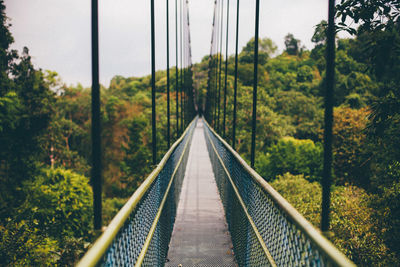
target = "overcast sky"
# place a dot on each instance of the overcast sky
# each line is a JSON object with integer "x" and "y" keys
{"x": 57, "y": 32}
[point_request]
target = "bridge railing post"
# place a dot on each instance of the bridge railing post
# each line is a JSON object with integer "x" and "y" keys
{"x": 96, "y": 127}
{"x": 330, "y": 83}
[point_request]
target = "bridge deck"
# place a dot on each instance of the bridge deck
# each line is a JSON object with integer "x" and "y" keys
{"x": 200, "y": 236}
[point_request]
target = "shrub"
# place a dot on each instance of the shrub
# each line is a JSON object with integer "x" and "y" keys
{"x": 61, "y": 202}
{"x": 349, "y": 145}
{"x": 353, "y": 224}
{"x": 111, "y": 206}
{"x": 291, "y": 155}
{"x": 21, "y": 244}
{"x": 387, "y": 205}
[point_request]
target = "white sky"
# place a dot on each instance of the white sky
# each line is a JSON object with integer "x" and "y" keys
{"x": 57, "y": 32}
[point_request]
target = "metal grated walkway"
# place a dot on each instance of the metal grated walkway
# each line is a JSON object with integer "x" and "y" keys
{"x": 200, "y": 236}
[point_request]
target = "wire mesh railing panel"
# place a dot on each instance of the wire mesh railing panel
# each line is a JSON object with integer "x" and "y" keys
{"x": 263, "y": 232}
{"x": 248, "y": 251}
{"x": 158, "y": 247}
{"x": 140, "y": 233}
{"x": 129, "y": 242}
{"x": 127, "y": 245}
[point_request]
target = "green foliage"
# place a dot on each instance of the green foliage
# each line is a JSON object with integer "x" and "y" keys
{"x": 288, "y": 72}
{"x": 351, "y": 78}
{"x": 355, "y": 101}
{"x": 266, "y": 48}
{"x": 291, "y": 155}
{"x": 43, "y": 134}
{"x": 52, "y": 225}
{"x": 377, "y": 47}
{"x": 304, "y": 74}
{"x": 22, "y": 244}
{"x": 26, "y": 107}
{"x": 10, "y": 106}
{"x": 292, "y": 44}
{"x": 136, "y": 162}
{"x": 111, "y": 206}
{"x": 304, "y": 112}
{"x": 353, "y": 224}
{"x": 369, "y": 15}
{"x": 349, "y": 145}
{"x": 60, "y": 201}
{"x": 384, "y": 153}
{"x": 271, "y": 125}
{"x": 387, "y": 205}
{"x": 7, "y": 56}
{"x": 319, "y": 36}
{"x": 69, "y": 131}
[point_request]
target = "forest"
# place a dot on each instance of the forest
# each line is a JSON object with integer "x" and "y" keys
{"x": 45, "y": 189}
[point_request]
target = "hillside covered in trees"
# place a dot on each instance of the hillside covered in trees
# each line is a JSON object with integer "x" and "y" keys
{"x": 45, "y": 192}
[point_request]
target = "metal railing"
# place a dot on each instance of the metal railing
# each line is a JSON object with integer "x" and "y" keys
{"x": 265, "y": 229}
{"x": 139, "y": 234}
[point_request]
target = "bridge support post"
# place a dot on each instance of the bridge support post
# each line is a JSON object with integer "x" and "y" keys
{"x": 153, "y": 85}
{"x": 255, "y": 83}
{"x": 96, "y": 127}
{"x": 330, "y": 80}
{"x": 226, "y": 68}
{"x": 168, "y": 97}
{"x": 235, "y": 83}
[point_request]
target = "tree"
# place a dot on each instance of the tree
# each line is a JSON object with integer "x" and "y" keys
{"x": 136, "y": 162}
{"x": 6, "y": 55}
{"x": 353, "y": 223}
{"x": 61, "y": 203}
{"x": 370, "y": 14}
{"x": 294, "y": 156}
{"x": 26, "y": 109}
{"x": 52, "y": 224}
{"x": 266, "y": 48}
{"x": 349, "y": 146}
{"x": 319, "y": 36}
{"x": 305, "y": 112}
{"x": 292, "y": 45}
{"x": 378, "y": 41}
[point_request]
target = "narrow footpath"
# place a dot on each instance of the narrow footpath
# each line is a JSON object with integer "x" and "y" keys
{"x": 200, "y": 236}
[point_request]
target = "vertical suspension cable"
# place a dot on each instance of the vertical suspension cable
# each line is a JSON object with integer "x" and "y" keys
{"x": 235, "y": 83}
{"x": 96, "y": 127}
{"x": 216, "y": 63}
{"x": 187, "y": 65}
{"x": 176, "y": 70}
{"x": 226, "y": 67}
{"x": 330, "y": 81}
{"x": 182, "y": 67}
{"x": 153, "y": 85}
{"x": 220, "y": 65}
{"x": 208, "y": 111}
{"x": 253, "y": 124}
{"x": 189, "y": 88}
{"x": 192, "y": 96}
{"x": 168, "y": 98}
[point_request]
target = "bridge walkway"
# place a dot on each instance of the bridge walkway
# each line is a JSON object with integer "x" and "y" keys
{"x": 200, "y": 236}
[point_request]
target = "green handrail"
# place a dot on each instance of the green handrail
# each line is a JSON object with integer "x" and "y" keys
{"x": 94, "y": 255}
{"x": 323, "y": 244}
{"x": 243, "y": 206}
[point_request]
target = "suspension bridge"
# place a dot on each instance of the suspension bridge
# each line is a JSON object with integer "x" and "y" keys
{"x": 203, "y": 205}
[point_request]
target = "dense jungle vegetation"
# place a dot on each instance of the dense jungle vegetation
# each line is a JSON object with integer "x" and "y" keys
{"x": 45, "y": 193}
